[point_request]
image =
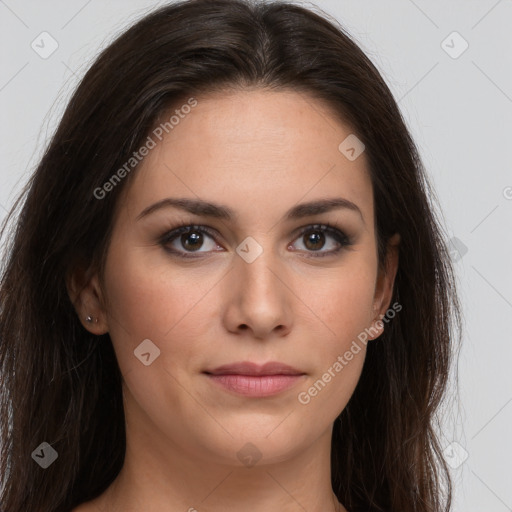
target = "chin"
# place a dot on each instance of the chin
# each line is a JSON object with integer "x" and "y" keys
{"x": 266, "y": 443}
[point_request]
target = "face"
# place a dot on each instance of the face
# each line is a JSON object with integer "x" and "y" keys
{"x": 271, "y": 282}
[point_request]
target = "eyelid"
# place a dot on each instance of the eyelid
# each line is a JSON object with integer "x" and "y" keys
{"x": 335, "y": 232}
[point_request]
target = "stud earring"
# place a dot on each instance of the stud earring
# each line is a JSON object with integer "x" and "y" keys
{"x": 89, "y": 319}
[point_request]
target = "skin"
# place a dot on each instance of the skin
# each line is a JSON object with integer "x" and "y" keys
{"x": 259, "y": 152}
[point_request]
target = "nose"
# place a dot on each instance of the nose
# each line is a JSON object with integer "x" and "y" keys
{"x": 258, "y": 298}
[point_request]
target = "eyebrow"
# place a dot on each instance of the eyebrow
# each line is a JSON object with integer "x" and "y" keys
{"x": 208, "y": 209}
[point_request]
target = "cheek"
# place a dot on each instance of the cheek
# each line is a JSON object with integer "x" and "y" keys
{"x": 344, "y": 307}
{"x": 344, "y": 304}
{"x": 147, "y": 302}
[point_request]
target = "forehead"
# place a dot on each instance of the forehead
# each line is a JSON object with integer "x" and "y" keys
{"x": 258, "y": 150}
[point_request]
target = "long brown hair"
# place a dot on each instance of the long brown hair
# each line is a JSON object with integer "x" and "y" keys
{"x": 62, "y": 385}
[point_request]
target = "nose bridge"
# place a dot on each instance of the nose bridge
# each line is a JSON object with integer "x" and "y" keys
{"x": 256, "y": 268}
{"x": 258, "y": 293}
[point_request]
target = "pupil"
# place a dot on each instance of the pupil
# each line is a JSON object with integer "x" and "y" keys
{"x": 197, "y": 240}
{"x": 316, "y": 239}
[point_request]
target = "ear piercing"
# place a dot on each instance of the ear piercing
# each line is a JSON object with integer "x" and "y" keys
{"x": 89, "y": 319}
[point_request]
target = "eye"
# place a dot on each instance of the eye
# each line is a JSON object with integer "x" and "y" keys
{"x": 314, "y": 239}
{"x": 188, "y": 237}
{"x": 183, "y": 241}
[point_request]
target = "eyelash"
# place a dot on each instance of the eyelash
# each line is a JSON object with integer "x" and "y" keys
{"x": 183, "y": 228}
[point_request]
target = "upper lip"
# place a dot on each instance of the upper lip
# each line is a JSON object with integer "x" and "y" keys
{"x": 249, "y": 368}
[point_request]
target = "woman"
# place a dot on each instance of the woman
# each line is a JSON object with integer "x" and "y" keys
{"x": 227, "y": 288}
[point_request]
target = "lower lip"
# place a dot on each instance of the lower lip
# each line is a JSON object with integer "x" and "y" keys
{"x": 256, "y": 386}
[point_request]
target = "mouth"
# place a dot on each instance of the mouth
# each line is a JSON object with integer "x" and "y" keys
{"x": 253, "y": 380}
{"x": 250, "y": 368}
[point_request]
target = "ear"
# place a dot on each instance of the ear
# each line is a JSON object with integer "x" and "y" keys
{"x": 87, "y": 297}
{"x": 385, "y": 284}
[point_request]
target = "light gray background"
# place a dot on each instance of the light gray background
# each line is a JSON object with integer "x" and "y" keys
{"x": 459, "y": 111}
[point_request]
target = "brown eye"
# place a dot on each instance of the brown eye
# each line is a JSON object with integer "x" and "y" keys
{"x": 192, "y": 241}
{"x": 315, "y": 238}
{"x": 186, "y": 240}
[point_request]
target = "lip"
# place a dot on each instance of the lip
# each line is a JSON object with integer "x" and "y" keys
{"x": 253, "y": 380}
{"x": 250, "y": 368}
{"x": 255, "y": 386}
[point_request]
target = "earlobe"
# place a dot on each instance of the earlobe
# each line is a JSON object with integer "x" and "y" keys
{"x": 85, "y": 293}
